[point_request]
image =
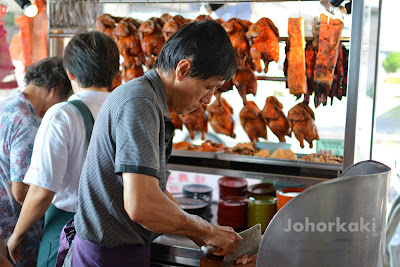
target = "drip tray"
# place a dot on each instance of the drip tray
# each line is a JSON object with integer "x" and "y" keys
{"x": 174, "y": 250}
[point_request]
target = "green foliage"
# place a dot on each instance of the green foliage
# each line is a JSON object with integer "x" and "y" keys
{"x": 392, "y": 62}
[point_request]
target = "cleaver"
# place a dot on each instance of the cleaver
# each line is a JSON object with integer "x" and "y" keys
{"x": 251, "y": 239}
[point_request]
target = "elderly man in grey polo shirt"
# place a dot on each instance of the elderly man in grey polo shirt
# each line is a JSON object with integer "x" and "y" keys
{"x": 123, "y": 202}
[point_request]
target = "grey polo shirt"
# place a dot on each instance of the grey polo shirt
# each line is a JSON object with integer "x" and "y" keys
{"x": 133, "y": 133}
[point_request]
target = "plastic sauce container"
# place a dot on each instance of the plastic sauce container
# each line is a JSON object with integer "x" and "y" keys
{"x": 284, "y": 195}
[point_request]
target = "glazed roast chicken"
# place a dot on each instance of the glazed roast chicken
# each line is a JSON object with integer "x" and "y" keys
{"x": 151, "y": 39}
{"x": 172, "y": 25}
{"x": 131, "y": 72}
{"x": 245, "y": 82}
{"x": 263, "y": 36}
{"x": 196, "y": 121}
{"x": 220, "y": 117}
{"x": 129, "y": 47}
{"x": 175, "y": 119}
{"x": 169, "y": 28}
{"x": 225, "y": 87}
{"x": 301, "y": 121}
{"x": 252, "y": 121}
{"x": 237, "y": 35}
{"x": 275, "y": 118}
{"x": 106, "y": 24}
{"x": 128, "y": 42}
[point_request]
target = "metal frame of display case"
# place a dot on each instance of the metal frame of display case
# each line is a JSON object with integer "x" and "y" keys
{"x": 364, "y": 49}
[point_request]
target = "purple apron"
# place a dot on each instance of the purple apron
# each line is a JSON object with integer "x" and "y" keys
{"x": 86, "y": 253}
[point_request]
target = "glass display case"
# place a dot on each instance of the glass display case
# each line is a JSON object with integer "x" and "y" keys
{"x": 347, "y": 124}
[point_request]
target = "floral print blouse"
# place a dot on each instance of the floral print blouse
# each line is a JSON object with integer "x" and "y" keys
{"x": 19, "y": 123}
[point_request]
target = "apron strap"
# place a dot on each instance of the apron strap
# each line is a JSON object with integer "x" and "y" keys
{"x": 86, "y": 114}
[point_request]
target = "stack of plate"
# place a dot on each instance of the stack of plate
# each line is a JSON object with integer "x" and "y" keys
{"x": 261, "y": 210}
{"x": 261, "y": 190}
{"x": 232, "y": 186}
{"x": 232, "y": 211}
{"x": 197, "y": 190}
{"x": 198, "y": 205}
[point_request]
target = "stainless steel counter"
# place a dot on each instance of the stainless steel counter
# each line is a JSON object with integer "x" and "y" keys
{"x": 290, "y": 171}
{"x": 178, "y": 250}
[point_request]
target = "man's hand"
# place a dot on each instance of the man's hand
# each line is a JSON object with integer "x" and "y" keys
{"x": 14, "y": 248}
{"x": 224, "y": 238}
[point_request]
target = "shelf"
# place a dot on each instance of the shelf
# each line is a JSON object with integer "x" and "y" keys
{"x": 290, "y": 171}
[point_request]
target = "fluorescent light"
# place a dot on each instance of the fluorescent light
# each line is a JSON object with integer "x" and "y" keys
{"x": 30, "y": 10}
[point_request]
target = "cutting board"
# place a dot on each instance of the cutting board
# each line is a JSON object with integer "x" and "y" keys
{"x": 214, "y": 261}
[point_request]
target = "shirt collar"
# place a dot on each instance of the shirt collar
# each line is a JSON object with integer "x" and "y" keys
{"x": 22, "y": 97}
{"x": 158, "y": 87}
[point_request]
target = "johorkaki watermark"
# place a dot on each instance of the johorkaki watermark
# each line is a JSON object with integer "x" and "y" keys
{"x": 336, "y": 226}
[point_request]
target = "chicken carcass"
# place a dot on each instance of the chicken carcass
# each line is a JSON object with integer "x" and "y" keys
{"x": 245, "y": 24}
{"x": 106, "y": 24}
{"x": 220, "y": 117}
{"x": 245, "y": 82}
{"x": 173, "y": 25}
{"x": 128, "y": 42}
{"x": 169, "y": 28}
{"x": 202, "y": 18}
{"x": 152, "y": 40}
{"x": 237, "y": 35}
{"x": 225, "y": 87}
{"x": 196, "y": 121}
{"x": 181, "y": 20}
{"x": 264, "y": 43}
{"x": 131, "y": 72}
{"x": 175, "y": 119}
{"x": 275, "y": 118}
{"x": 301, "y": 121}
{"x": 252, "y": 121}
{"x": 296, "y": 73}
{"x": 165, "y": 17}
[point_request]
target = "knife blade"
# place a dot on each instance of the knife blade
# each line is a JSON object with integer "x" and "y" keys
{"x": 251, "y": 239}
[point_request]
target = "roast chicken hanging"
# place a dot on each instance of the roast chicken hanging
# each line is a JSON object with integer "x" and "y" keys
{"x": 275, "y": 118}
{"x": 237, "y": 35}
{"x": 220, "y": 116}
{"x": 151, "y": 39}
{"x": 175, "y": 119}
{"x": 264, "y": 43}
{"x": 252, "y": 121}
{"x": 245, "y": 82}
{"x": 196, "y": 121}
{"x": 301, "y": 121}
{"x": 128, "y": 42}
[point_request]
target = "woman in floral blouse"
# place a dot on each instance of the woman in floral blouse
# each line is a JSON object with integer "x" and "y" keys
{"x": 20, "y": 117}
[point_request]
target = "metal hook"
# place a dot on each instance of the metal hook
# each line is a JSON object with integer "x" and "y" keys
{"x": 299, "y": 8}
{"x": 237, "y": 4}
